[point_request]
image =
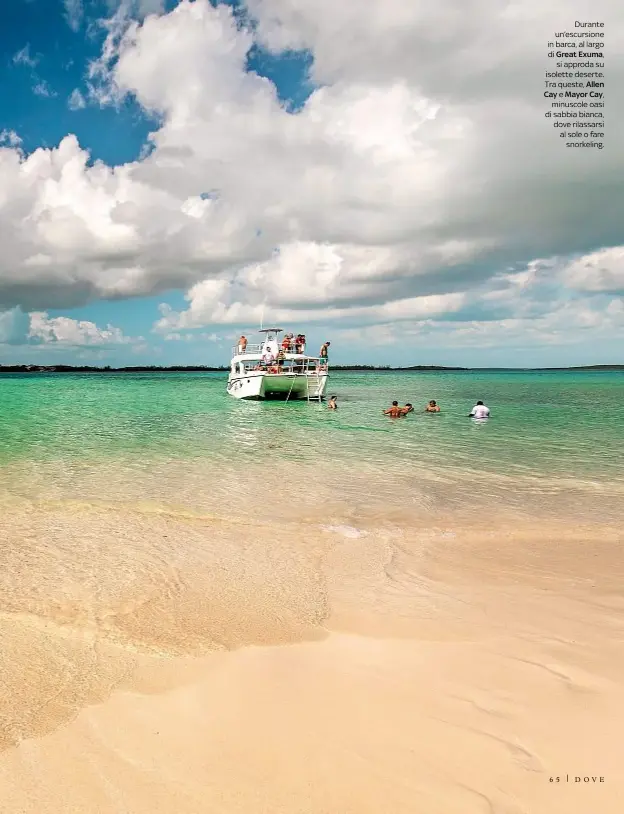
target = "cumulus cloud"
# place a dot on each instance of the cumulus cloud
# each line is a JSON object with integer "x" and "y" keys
{"x": 570, "y": 323}
{"x": 405, "y": 189}
{"x": 305, "y": 282}
{"x": 38, "y": 328}
{"x": 601, "y": 271}
{"x": 73, "y": 332}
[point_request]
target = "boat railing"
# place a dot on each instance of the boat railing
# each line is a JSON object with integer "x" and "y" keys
{"x": 257, "y": 348}
{"x": 249, "y": 348}
{"x": 289, "y": 366}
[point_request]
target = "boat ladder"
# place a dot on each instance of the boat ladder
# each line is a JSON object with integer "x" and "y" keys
{"x": 315, "y": 395}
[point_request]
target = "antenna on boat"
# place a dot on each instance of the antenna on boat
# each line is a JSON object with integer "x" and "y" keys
{"x": 262, "y": 317}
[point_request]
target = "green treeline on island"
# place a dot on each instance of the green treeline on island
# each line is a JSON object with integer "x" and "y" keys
{"x": 223, "y": 369}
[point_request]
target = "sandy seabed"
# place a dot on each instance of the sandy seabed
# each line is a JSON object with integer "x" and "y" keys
{"x": 167, "y": 661}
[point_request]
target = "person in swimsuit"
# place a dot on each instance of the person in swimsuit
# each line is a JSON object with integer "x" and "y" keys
{"x": 394, "y": 411}
{"x": 407, "y": 409}
{"x": 432, "y": 407}
{"x": 331, "y": 404}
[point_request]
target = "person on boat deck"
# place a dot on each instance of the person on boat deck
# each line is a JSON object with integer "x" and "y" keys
{"x": 286, "y": 343}
{"x": 324, "y": 352}
{"x": 267, "y": 357}
{"x": 479, "y": 411}
{"x": 300, "y": 343}
{"x": 331, "y": 404}
{"x": 242, "y": 344}
{"x": 432, "y": 407}
{"x": 407, "y": 409}
{"x": 394, "y": 411}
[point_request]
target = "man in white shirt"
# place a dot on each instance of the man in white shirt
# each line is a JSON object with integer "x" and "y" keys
{"x": 479, "y": 411}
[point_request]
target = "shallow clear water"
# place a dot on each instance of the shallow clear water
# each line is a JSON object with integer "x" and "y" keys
{"x": 546, "y": 428}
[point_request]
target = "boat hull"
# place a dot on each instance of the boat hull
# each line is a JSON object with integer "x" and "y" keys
{"x": 277, "y": 386}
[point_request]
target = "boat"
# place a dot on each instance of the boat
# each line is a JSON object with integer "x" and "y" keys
{"x": 268, "y": 370}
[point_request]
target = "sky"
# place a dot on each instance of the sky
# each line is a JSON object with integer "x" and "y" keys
{"x": 377, "y": 173}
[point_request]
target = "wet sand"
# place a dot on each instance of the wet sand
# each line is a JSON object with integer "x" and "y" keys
{"x": 171, "y": 661}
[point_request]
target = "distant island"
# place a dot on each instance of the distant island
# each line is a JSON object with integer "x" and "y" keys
{"x": 223, "y": 369}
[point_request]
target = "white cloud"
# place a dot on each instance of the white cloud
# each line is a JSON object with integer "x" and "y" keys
{"x": 405, "y": 189}
{"x": 38, "y": 328}
{"x": 599, "y": 271}
{"x": 145, "y": 7}
{"x": 563, "y": 324}
{"x": 76, "y": 100}
{"x": 24, "y": 57}
{"x": 10, "y": 138}
{"x": 74, "y": 13}
{"x": 73, "y": 332}
{"x": 42, "y": 88}
{"x": 136, "y": 9}
{"x": 305, "y": 282}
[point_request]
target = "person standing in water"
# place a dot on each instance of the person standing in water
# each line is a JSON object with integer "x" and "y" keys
{"x": 407, "y": 409}
{"x": 479, "y": 411}
{"x": 331, "y": 404}
{"x": 394, "y": 411}
{"x": 432, "y": 407}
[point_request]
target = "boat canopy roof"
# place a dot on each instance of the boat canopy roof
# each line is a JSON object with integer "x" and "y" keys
{"x": 271, "y": 330}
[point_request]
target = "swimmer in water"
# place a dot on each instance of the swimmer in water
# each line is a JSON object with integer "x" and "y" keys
{"x": 407, "y": 409}
{"x": 479, "y": 411}
{"x": 432, "y": 407}
{"x": 331, "y": 404}
{"x": 394, "y": 411}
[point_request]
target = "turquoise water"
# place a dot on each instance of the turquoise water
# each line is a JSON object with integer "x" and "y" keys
{"x": 541, "y": 422}
{"x": 544, "y": 426}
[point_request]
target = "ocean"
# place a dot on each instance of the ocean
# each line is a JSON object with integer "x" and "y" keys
{"x": 178, "y": 437}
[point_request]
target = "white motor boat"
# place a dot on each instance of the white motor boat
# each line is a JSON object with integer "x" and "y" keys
{"x": 269, "y": 370}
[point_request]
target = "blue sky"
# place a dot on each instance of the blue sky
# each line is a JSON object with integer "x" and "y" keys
{"x": 390, "y": 268}
{"x": 62, "y": 56}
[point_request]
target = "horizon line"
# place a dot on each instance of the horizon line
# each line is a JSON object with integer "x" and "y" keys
{"x": 33, "y": 368}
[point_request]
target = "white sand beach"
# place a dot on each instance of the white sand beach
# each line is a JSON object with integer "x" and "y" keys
{"x": 162, "y": 663}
